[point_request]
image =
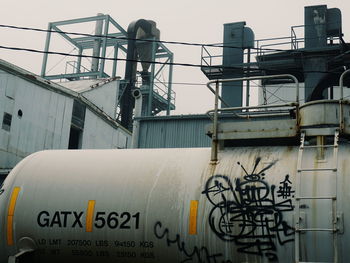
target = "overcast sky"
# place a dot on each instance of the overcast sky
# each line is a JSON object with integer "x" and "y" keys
{"x": 178, "y": 20}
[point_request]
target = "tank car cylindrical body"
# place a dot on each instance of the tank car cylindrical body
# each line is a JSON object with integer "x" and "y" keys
{"x": 174, "y": 205}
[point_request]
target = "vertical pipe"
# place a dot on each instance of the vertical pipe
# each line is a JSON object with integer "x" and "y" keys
{"x": 79, "y": 60}
{"x": 151, "y": 85}
{"x": 136, "y": 123}
{"x": 214, "y": 146}
{"x": 104, "y": 47}
{"x": 97, "y": 45}
{"x": 47, "y": 45}
{"x": 341, "y": 84}
{"x": 248, "y": 81}
{"x": 170, "y": 80}
{"x": 115, "y": 61}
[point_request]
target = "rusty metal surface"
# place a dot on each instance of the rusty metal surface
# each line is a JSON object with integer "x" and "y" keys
{"x": 257, "y": 129}
{"x": 143, "y": 205}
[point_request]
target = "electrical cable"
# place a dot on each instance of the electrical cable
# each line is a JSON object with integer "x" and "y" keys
{"x": 127, "y": 38}
{"x": 98, "y": 57}
{"x": 151, "y": 62}
{"x": 136, "y": 39}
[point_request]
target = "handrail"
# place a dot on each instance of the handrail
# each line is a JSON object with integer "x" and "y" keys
{"x": 341, "y": 83}
{"x": 214, "y": 148}
{"x": 292, "y": 104}
{"x": 255, "y": 78}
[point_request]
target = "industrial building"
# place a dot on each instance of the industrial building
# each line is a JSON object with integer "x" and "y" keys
{"x": 38, "y": 114}
{"x": 272, "y": 186}
{"x": 85, "y": 105}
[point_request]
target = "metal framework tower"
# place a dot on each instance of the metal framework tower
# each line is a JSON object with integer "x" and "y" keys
{"x": 158, "y": 95}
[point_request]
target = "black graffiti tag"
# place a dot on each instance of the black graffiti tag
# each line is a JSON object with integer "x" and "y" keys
{"x": 285, "y": 190}
{"x": 246, "y": 212}
{"x": 1, "y": 189}
{"x": 195, "y": 254}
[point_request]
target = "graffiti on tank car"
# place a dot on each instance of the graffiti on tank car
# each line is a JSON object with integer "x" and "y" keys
{"x": 247, "y": 213}
{"x": 2, "y": 190}
{"x": 196, "y": 254}
{"x": 285, "y": 190}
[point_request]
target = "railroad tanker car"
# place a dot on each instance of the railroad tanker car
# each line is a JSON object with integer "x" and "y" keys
{"x": 276, "y": 190}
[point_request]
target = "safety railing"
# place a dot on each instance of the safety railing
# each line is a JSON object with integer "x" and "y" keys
{"x": 216, "y": 110}
{"x": 161, "y": 88}
{"x": 341, "y": 100}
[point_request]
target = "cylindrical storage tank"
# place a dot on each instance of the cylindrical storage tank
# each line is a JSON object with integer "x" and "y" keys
{"x": 174, "y": 205}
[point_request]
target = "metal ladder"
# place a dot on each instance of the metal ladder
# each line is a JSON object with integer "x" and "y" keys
{"x": 333, "y": 197}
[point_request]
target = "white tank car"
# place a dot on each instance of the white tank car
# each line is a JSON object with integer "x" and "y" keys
{"x": 175, "y": 205}
{"x": 240, "y": 204}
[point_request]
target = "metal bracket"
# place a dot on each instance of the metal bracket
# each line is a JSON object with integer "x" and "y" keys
{"x": 340, "y": 222}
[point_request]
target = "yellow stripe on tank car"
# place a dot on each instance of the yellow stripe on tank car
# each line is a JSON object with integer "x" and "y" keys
{"x": 89, "y": 215}
{"x": 193, "y": 217}
{"x": 10, "y": 215}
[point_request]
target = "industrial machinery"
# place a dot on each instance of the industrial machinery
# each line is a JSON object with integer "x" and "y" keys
{"x": 282, "y": 203}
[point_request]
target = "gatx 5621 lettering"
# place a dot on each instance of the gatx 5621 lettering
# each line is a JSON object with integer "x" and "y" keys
{"x": 74, "y": 219}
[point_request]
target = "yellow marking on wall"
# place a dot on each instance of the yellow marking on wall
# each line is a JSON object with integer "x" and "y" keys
{"x": 90, "y": 215}
{"x": 193, "y": 217}
{"x": 10, "y": 215}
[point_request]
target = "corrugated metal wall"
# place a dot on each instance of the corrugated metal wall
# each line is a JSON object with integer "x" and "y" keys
{"x": 174, "y": 132}
{"x": 39, "y": 117}
{"x": 44, "y": 122}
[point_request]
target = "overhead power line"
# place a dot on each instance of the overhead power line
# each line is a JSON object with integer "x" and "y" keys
{"x": 97, "y": 57}
{"x": 127, "y": 38}
{"x": 145, "y": 61}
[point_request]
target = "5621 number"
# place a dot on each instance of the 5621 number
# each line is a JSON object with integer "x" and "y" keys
{"x": 113, "y": 220}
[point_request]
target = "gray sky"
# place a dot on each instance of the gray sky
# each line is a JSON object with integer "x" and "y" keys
{"x": 179, "y": 20}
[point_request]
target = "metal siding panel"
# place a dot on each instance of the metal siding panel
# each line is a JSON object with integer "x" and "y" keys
{"x": 90, "y": 127}
{"x": 57, "y": 114}
{"x": 100, "y": 135}
{"x": 41, "y": 124}
{"x": 10, "y": 90}
{"x": 4, "y": 135}
{"x": 116, "y": 139}
{"x": 26, "y": 102}
{"x": 41, "y": 96}
{"x": 173, "y": 133}
{"x": 120, "y": 139}
{"x": 104, "y": 97}
{"x": 65, "y": 107}
{"x": 99, "y": 131}
{"x": 51, "y": 121}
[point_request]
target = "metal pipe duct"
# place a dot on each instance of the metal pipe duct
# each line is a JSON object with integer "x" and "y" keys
{"x": 127, "y": 102}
